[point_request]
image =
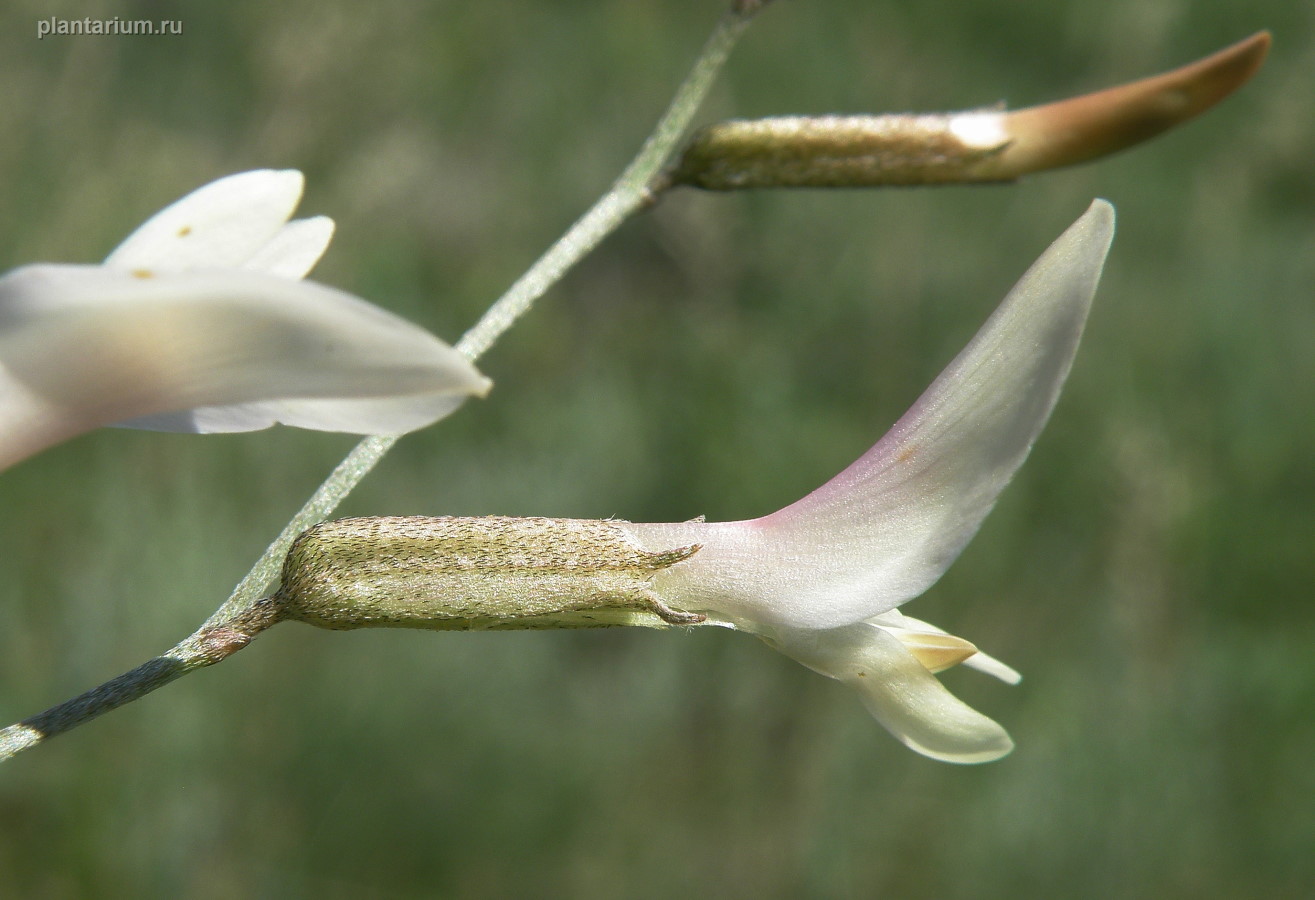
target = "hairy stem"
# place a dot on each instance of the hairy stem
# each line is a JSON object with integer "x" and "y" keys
{"x": 243, "y": 615}
{"x": 206, "y": 647}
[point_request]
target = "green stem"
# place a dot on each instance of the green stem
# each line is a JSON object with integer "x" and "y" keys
{"x": 242, "y": 616}
{"x": 206, "y": 647}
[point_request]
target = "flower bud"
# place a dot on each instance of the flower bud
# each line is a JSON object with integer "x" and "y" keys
{"x": 983, "y": 145}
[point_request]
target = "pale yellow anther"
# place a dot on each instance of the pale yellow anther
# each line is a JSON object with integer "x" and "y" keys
{"x": 935, "y": 651}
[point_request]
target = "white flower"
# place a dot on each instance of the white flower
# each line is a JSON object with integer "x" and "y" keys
{"x": 820, "y": 580}
{"x": 199, "y": 322}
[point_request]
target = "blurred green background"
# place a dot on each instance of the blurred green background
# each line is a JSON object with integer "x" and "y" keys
{"x": 1149, "y": 571}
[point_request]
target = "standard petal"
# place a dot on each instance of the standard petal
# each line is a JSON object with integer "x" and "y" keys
{"x": 225, "y": 223}
{"x": 898, "y": 690}
{"x": 882, "y": 531}
{"x": 84, "y": 346}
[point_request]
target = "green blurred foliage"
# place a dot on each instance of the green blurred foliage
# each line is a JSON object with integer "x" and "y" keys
{"x": 1149, "y": 571}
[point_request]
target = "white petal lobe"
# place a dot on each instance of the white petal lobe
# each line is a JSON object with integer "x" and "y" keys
{"x": 294, "y": 249}
{"x": 223, "y": 224}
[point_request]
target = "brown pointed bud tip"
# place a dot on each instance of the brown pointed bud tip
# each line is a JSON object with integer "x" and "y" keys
{"x": 1093, "y": 125}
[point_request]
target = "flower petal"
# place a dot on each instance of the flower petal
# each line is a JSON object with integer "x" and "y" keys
{"x": 225, "y": 223}
{"x": 381, "y": 415}
{"x": 989, "y": 665}
{"x": 84, "y": 346}
{"x": 898, "y": 690}
{"x": 882, "y": 531}
{"x": 294, "y": 249}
